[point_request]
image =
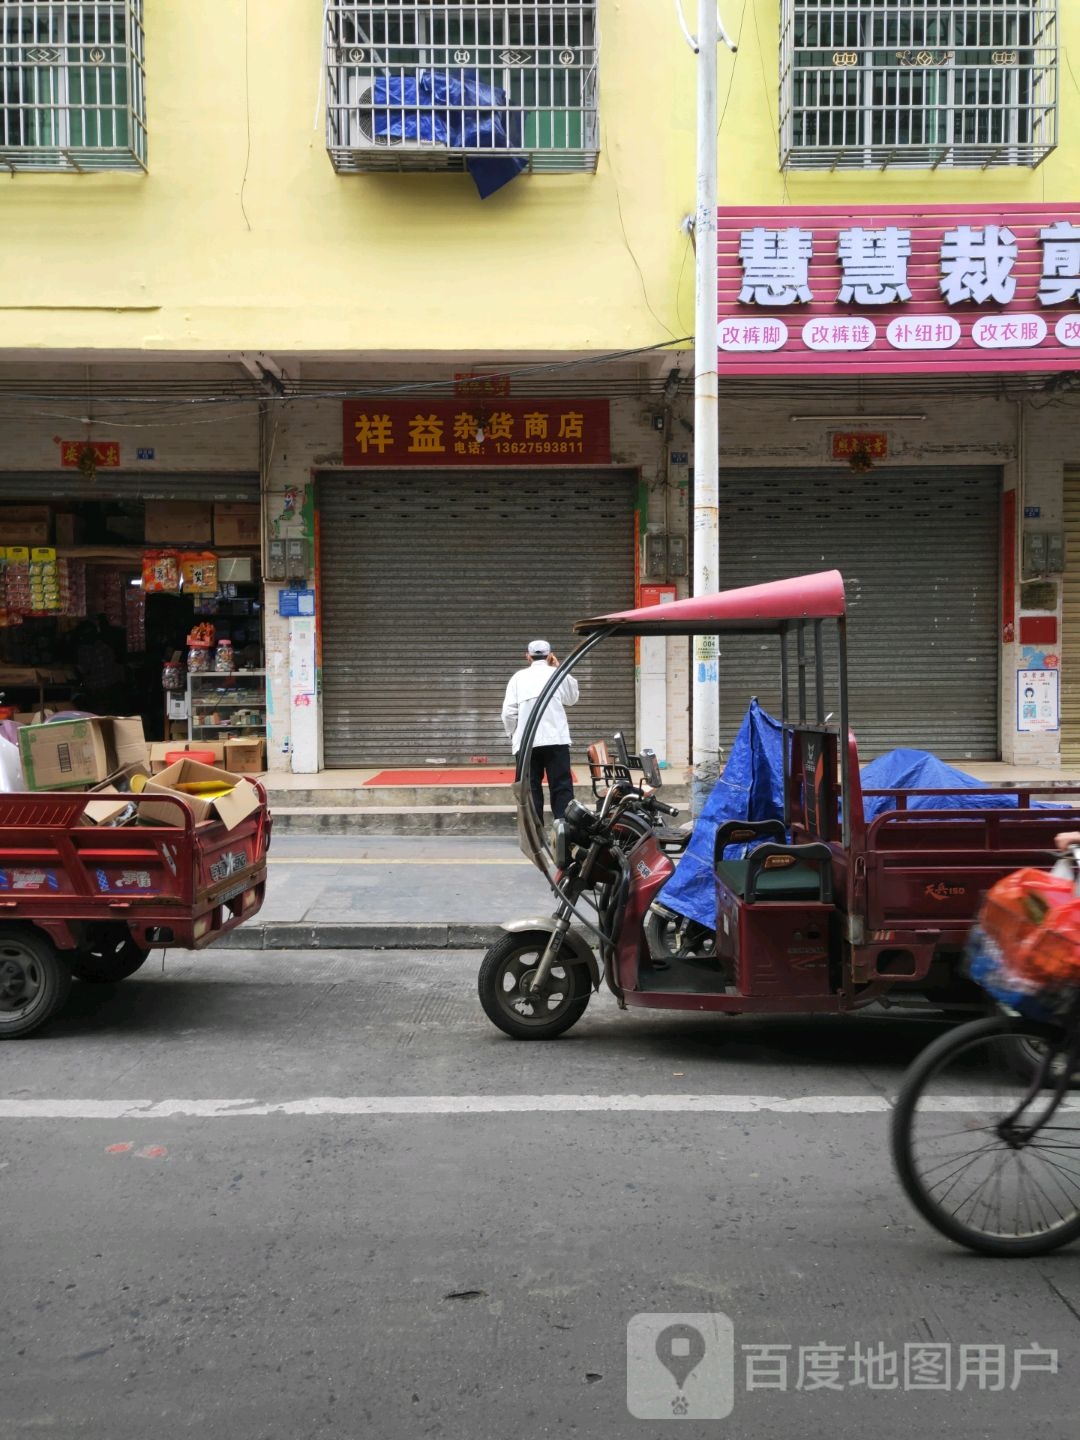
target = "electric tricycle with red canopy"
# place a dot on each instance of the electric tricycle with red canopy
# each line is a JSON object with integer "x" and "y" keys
{"x": 826, "y": 911}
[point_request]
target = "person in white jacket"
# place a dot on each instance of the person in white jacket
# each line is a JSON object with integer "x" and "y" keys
{"x": 551, "y": 747}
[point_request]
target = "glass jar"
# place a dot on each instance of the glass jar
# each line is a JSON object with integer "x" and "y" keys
{"x": 198, "y": 661}
{"x": 224, "y": 660}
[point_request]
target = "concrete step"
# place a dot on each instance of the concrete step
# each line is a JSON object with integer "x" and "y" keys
{"x": 401, "y": 797}
{"x": 358, "y": 935}
{"x": 395, "y": 820}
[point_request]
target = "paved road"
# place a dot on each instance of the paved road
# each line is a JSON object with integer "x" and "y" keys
{"x": 346, "y": 878}
{"x": 365, "y": 1265}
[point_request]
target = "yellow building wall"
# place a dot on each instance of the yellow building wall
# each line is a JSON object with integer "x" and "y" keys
{"x": 243, "y": 237}
{"x": 749, "y": 103}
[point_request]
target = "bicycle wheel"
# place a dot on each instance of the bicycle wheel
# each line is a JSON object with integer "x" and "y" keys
{"x": 989, "y": 1157}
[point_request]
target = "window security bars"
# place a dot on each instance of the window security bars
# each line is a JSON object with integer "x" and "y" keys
{"x": 72, "y": 85}
{"x": 877, "y": 83}
{"x": 424, "y": 86}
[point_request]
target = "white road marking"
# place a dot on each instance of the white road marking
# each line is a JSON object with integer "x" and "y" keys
{"x": 471, "y": 1105}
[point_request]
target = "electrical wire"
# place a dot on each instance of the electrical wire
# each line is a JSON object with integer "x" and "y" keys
{"x": 626, "y": 238}
{"x": 247, "y": 118}
{"x": 734, "y": 65}
{"x": 360, "y": 390}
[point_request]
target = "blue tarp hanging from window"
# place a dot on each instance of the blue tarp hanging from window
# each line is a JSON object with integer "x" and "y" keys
{"x": 457, "y": 110}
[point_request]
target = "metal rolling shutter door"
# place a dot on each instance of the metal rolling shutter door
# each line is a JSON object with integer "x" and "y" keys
{"x": 1070, "y": 623}
{"x": 918, "y": 550}
{"x": 433, "y": 584}
{"x": 48, "y": 487}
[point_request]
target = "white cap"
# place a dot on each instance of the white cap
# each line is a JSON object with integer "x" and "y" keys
{"x": 538, "y": 649}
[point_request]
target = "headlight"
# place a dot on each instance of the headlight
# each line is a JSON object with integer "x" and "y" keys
{"x": 560, "y": 844}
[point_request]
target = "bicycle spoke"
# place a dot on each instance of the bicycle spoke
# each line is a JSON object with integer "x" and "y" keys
{"x": 1005, "y": 1176}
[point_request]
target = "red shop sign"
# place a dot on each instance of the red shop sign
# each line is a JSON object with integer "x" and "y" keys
{"x": 106, "y": 453}
{"x": 846, "y": 443}
{"x": 898, "y": 289}
{"x": 471, "y": 431}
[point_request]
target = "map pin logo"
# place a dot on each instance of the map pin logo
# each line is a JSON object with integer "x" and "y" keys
{"x": 680, "y": 1349}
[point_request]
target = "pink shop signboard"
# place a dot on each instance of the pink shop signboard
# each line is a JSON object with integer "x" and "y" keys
{"x": 899, "y": 290}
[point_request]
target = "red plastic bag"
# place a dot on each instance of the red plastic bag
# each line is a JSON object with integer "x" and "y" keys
{"x": 1051, "y": 955}
{"x": 1034, "y": 919}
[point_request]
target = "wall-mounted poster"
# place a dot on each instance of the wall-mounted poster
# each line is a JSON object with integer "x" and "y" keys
{"x": 1037, "y": 700}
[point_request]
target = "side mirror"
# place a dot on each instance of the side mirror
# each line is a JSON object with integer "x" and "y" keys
{"x": 650, "y": 769}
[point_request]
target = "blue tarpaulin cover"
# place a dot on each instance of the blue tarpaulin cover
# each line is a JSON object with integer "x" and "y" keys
{"x": 751, "y": 788}
{"x": 455, "y": 109}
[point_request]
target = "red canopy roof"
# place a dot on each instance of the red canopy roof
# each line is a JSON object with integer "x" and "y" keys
{"x": 752, "y": 608}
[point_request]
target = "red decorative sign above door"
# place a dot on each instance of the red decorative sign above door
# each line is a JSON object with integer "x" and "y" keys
{"x": 472, "y": 431}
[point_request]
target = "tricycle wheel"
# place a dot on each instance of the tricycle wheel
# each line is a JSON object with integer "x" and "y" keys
{"x": 34, "y": 982}
{"x": 519, "y": 1012}
{"x": 107, "y": 959}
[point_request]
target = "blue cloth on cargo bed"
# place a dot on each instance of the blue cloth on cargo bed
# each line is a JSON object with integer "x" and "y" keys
{"x": 752, "y": 788}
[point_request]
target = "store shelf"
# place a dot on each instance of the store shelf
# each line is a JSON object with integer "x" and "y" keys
{"x": 210, "y": 692}
{"x": 247, "y": 725}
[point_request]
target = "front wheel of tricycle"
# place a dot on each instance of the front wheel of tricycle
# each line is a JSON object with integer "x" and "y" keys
{"x": 34, "y": 982}
{"x": 109, "y": 957}
{"x": 519, "y": 1011}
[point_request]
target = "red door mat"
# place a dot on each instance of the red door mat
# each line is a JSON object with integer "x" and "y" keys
{"x": 483, "y": 776}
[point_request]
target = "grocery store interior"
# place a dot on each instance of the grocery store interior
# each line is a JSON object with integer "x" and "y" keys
{"x": 128, "y": 605}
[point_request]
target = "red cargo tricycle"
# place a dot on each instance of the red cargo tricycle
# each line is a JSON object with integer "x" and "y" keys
{"x": 91, "y": 901}
{"x": 826, "y": 912}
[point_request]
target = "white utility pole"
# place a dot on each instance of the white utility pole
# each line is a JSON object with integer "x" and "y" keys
{"x": 704, "y": 682}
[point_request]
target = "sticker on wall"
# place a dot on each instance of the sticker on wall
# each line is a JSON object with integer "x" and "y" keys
{"x": 1037, "y": 706}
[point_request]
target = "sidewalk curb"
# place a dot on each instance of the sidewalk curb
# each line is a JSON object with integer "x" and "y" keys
{"x": 374, "y": 935}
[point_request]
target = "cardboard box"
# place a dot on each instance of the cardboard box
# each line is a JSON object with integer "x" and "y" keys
{"x": 115, "y": 796}
{"x": 236, "y": 525}
{"x": 107, "y": 810}
{"x": 236, "y": 805}
{"x": 70, "y": 754}
{"x": 245, "y": 757}
{"x": 172, "y": 522}
{"x": 160, "y": 748}
{"x": 24, "y": 525}
{"x": 68, "y": 529}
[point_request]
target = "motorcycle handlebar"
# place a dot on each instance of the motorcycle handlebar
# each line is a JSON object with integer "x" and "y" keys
{"x": 664, "y": 809}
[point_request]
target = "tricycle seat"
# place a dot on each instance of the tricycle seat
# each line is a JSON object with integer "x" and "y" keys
{"x": 774, "y": 872}
{"x": 797, "y": 882}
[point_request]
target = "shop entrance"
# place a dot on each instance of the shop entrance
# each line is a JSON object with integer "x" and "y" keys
{"x": 79, "y": 629}
{"x": 918, "y": 549}
{"x": 433, "y": 583}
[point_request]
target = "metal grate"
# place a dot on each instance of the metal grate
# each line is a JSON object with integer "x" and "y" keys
{"x": 72, "y": 85}
{"x": 878, "y": 83}
{"x": 415, "y": 86}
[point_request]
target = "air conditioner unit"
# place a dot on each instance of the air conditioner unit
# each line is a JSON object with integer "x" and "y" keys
{"x": 361, "y": 115}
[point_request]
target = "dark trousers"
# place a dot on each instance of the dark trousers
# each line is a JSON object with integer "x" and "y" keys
{"x": 555, "y": 761}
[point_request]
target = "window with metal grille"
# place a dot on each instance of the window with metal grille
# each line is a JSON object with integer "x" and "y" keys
{"x": 424, "y": 86}
{"x": 72, "y": 93}
{"x": 875, "y": 83}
